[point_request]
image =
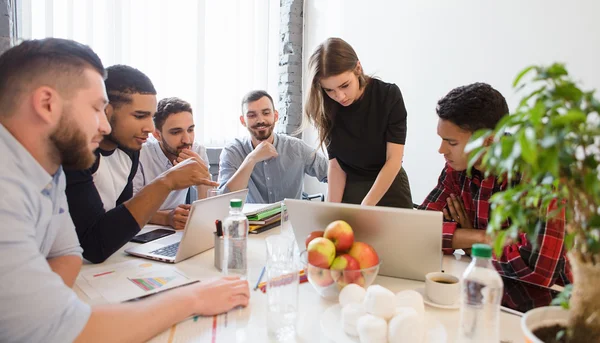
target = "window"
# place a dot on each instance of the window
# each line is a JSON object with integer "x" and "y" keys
{"x": 207, "y": 52}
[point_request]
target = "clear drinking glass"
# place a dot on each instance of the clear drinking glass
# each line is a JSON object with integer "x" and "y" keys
{"x": 286, "y": 225}
{"x": 282, "y": 288}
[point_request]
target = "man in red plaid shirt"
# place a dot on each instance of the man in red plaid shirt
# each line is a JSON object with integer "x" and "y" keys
{"x": 464, "y": 200}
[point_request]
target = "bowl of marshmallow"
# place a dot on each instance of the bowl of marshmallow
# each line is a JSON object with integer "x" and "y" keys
{"x": 376, "y": 314}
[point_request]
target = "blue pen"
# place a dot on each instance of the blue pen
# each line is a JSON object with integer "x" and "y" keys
{"x": 259, "y": 278}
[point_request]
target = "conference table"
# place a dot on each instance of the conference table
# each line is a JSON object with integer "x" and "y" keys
{"x": 251, "y": 321}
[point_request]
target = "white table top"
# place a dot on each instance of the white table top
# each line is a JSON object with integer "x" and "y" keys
{"x": 311, "y": 305}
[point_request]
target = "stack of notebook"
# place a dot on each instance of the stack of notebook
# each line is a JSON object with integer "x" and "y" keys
{"x": 263, "y": 217}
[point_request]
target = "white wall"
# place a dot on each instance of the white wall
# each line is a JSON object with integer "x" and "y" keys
{"x": 428, "y": 47}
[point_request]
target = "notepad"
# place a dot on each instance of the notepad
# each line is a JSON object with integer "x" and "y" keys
{"x": 254, "y": 209}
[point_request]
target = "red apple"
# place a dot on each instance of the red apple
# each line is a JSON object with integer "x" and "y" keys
{"x": 312, "y": 236}
{"x": 321, "y": 252}
{"x": 319, "y": 276}
{"x": 345, "y": 270}
{"x": 351, "y": 276}
{"x": 341, "y": 234}
{"x": 364, "y": 254}
{"x": 345, "y": 262}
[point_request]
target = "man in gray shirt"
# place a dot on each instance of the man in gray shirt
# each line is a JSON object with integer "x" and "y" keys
{"x": 271, "y": 166}
{"x": 172, "y": 142}
{"x": 52, "y": 102}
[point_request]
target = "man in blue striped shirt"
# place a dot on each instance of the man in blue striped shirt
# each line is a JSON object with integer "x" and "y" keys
{"x": 270, "y": 165}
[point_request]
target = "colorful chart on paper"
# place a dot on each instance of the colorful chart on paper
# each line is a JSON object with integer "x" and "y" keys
{"x": 148, "y": 284}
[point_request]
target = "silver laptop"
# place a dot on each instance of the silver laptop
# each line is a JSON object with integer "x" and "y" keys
{"x": 196, "y": 237}
{"x": 408, "y": 242}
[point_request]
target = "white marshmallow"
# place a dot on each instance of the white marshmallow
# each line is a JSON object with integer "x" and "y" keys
{"x": 412, "y": 299}
{"x": 406, "y": 326}
{"x": 352, "y": 293}
{"x": 372, "y": 329}
{"x": 350, "y": 315}
{"x": 380, "y": 301}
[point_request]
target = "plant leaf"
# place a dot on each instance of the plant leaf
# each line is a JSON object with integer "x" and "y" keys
{"x": 521, "y": 74}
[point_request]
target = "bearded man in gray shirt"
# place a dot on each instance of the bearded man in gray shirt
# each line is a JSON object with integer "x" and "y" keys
{"x": 270, "y": 165}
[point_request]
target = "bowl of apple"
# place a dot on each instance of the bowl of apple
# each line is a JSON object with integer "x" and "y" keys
{"x": 334, "y": 260}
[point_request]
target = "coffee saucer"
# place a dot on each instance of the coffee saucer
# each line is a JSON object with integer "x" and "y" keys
{"x": 430, "y": 302}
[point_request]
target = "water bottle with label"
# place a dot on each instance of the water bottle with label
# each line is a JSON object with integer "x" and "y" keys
{"x": 235, "y": 239}
{"x": 481, "y": 294}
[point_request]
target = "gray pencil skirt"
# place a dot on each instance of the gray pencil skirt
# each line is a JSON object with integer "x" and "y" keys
{"x": 398, "y": 195}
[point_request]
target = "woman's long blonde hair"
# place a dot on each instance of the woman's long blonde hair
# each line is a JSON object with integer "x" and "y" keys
{"x": 332, "y": 57}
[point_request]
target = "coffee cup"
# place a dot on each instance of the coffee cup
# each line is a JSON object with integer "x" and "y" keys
{"x": 442, "y": 288}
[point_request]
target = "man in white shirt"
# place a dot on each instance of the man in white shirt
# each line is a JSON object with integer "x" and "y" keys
{"x": 173, "y": 141}
{"x": 52, "y": 101}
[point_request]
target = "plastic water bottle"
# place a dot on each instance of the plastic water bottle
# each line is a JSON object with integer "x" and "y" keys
{"x": 235, "y": 241}
{"x": 481, "y": 294}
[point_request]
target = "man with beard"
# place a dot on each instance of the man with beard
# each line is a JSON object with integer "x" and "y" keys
{"x": 52, "y": 101}
{"x": 101, "y": 201}
{"x": 271, "y": 166}
{"x": 173, "y": 142}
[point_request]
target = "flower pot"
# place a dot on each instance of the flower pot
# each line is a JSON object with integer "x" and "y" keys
{"x": 540, "y": 317}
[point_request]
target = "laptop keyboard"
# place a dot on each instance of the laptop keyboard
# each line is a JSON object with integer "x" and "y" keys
{"x": 169, "y": 250}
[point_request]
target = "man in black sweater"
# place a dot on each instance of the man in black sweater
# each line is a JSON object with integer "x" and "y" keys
{"x": 101, "y": 201}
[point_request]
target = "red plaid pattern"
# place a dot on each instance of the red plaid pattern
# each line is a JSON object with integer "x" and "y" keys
{"x": 545, "y": 265}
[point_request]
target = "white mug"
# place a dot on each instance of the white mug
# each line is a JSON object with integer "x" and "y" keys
{"x": 442, "y": 288}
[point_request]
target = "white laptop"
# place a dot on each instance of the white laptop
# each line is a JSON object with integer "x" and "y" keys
{"x": 408, "y": 242}
{"x": 196, "y": 237}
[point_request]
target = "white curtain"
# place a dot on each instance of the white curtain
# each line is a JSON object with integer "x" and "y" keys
{"x": 207, "y": 52}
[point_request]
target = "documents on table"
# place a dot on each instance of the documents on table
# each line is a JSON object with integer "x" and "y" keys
{"x": 127, "y": 280}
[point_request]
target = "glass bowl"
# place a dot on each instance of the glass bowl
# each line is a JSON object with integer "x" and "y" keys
{"x": 328, "y": 283}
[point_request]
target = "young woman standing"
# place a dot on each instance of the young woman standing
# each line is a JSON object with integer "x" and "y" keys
{"x": 362, "y": 122}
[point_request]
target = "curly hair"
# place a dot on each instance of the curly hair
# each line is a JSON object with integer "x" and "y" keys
{"x": 122, "y": 81}
{"x": 473, "y": 107}
{"x": 168, "y": 106}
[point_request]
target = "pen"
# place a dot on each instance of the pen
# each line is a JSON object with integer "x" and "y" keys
{"x": 219, "y": 226}
{"x": 259, "y": 278}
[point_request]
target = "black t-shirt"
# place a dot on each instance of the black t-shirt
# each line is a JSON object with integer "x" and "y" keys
{"x": 100, "y": 232}
{"x": 361, "y": 131}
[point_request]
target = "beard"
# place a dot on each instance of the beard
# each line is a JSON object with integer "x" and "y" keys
{"x": 71, "y": 144}
{"x": 254, "y": 131}
{"x": 174, "y": 151}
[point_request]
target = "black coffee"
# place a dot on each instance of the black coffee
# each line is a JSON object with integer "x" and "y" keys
{"x": 444, "y": 281}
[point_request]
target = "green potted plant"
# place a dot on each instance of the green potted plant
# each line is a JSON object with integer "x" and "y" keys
{"x": 552, "y": 142}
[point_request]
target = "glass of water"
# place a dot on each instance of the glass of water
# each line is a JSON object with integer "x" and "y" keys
{"x": 282, "y": 288}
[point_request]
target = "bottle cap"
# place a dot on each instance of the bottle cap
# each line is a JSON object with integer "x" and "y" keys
{"x": 481, "y": 250}
{"x": 235, "y": 203}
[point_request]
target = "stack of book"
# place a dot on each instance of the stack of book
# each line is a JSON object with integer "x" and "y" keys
{"x": 263, "y": 217}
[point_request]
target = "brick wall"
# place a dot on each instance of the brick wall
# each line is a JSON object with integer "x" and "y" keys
{"x": 290, "y": 65}
{"x": 5, "y": 25}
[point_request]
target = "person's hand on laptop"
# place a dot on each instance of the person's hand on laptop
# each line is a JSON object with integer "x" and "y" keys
{"x": 220, "y": 295}
{"x": 264, "y": 151}
{"x": 187, "y": 173}
{"x": 179, "y": 216}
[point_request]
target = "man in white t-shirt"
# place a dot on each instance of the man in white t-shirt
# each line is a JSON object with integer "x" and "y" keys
{"x": 173, "y": 142}
{"x": 52, "y": 101}
{"x": 105, "y": 211}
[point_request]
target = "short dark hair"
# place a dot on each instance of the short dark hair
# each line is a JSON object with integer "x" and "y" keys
{"x": 473, "y": 107}
{"x": 58, "y": 63}
{"x": 168, "y": 106}
{"x": 255, "y": 95}
{"x": 122, "y": 81}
